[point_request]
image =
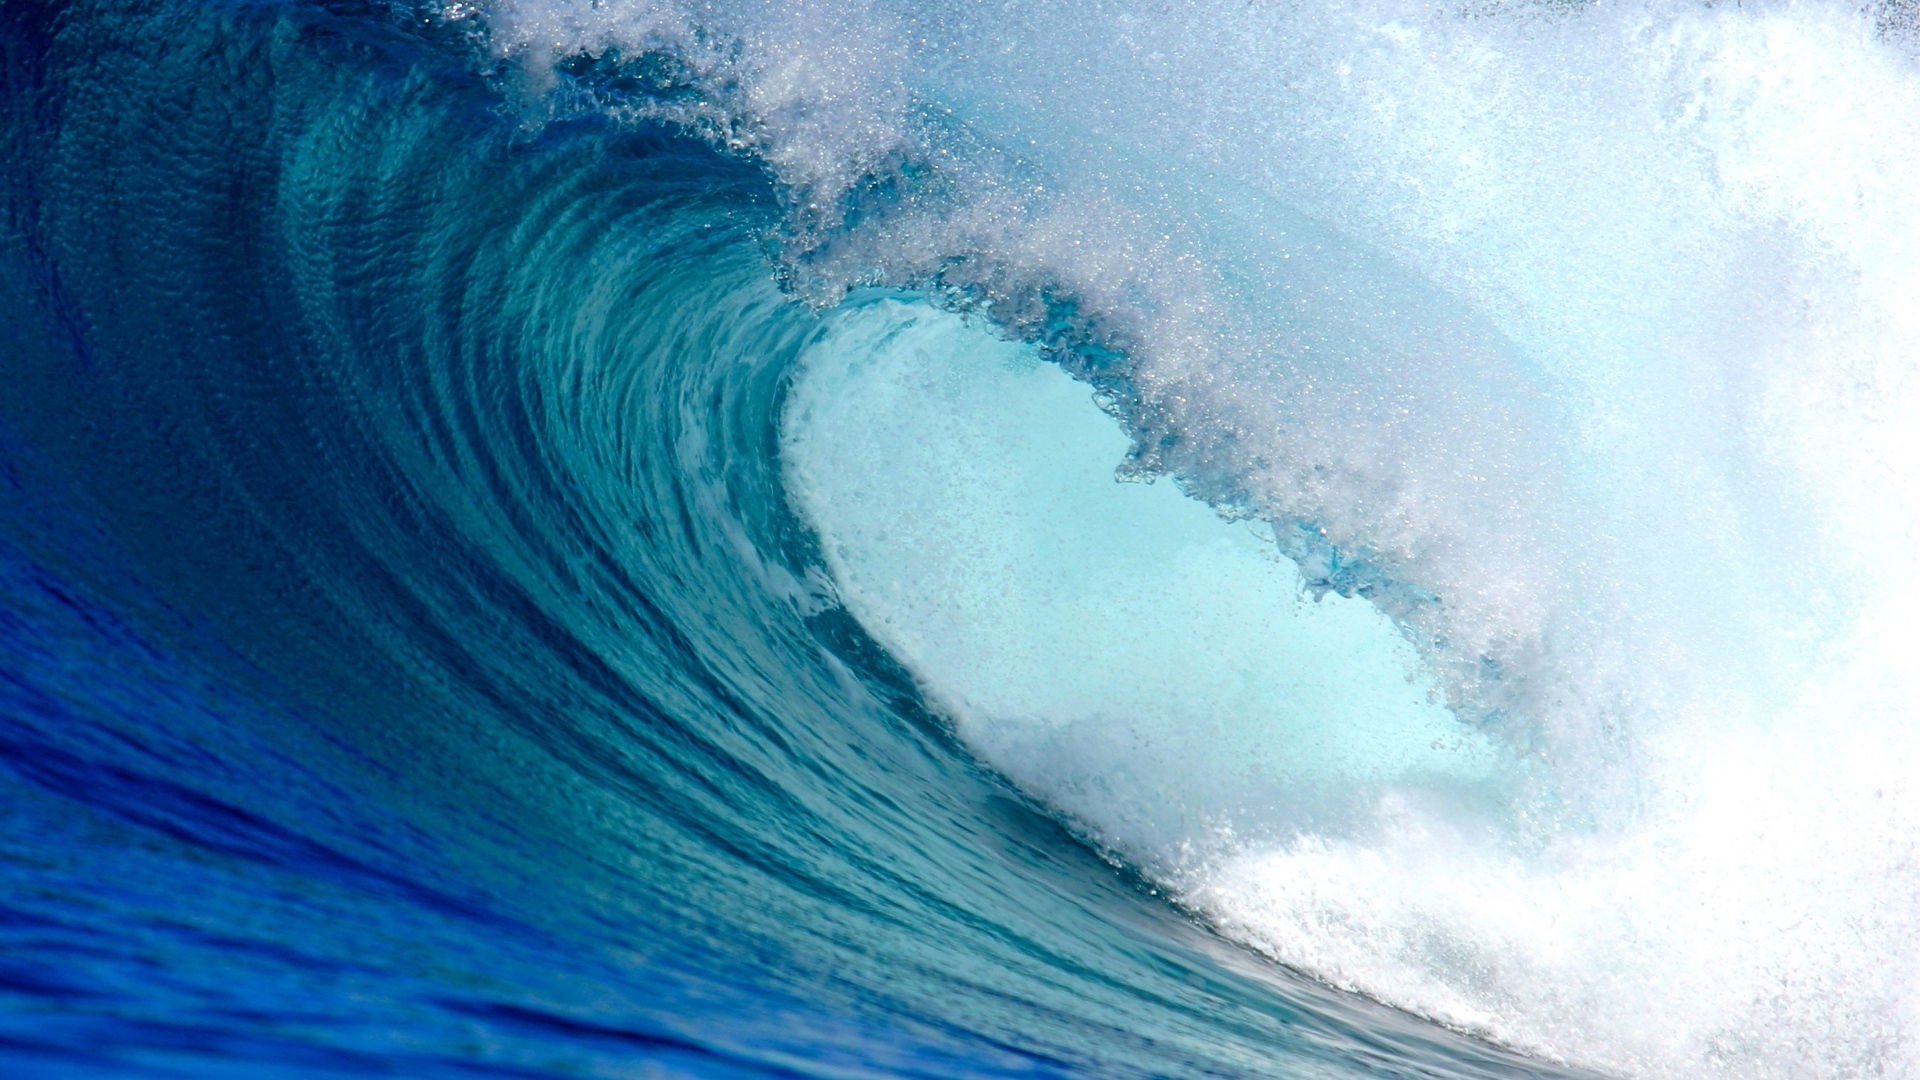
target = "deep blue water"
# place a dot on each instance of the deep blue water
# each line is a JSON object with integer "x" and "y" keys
{"x": 960, "y": 538}
{"x": 405, "y": 666}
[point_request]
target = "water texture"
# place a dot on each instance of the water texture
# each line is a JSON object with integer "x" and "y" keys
{"x": 957, "y": 540}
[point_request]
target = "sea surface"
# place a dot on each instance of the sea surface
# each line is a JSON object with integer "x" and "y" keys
{"x": 886, "y": 538}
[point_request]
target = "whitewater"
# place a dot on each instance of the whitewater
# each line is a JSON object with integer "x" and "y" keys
{"x": 1582, "y": 338}
{"x": 865, "y": 537}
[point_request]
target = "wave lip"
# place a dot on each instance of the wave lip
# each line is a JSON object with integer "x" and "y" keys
{"x": 410, "y": 413}
{"x": 1577, "y": 340}
{"x": 409, "y": 659}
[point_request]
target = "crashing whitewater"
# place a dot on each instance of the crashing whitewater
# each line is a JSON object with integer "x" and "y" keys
{"x": 582, "y": 535}
{"x": 1560, "y": 362}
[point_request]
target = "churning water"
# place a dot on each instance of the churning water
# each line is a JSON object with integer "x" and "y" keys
{"x": 1348, "y": 538}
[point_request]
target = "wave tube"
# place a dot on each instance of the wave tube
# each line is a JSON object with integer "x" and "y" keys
{"x": 410, "y": 662}
{"x": 1120, "y": 650}
{"x": 1577, "y": 339}
{"x": 558, "y": 538}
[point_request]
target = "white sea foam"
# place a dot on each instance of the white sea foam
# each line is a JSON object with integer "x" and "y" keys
{"x": 1601, "y": 325}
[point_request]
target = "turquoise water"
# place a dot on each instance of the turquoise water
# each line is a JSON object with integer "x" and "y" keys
{"x": 842, "y": 539}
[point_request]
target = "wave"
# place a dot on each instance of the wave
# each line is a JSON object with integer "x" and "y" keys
{"x": 562, "y": 537}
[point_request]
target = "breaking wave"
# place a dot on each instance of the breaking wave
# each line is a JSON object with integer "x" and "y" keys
{"x": 1362, "y": 538}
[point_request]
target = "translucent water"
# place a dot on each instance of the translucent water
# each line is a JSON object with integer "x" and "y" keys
{"x": 590, "y": 536}
{"x": 1580, "y": 339}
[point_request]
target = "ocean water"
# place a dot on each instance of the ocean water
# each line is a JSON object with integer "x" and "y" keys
{"x": 1325, "y": 538}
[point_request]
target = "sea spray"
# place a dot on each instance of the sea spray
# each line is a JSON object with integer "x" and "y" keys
{"x": 1615, "y": 371}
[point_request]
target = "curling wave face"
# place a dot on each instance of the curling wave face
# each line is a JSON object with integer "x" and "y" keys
{"x": 409, "y": 662}
{"x": 562, "y": 537}
{"x": 1578, "y": 341}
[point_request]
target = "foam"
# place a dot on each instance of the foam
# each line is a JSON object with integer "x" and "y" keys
{"x": 1596, "y": 324}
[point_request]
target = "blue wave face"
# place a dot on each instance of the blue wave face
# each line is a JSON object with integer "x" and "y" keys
{"x": 557, "y": 539}
{"x": 412, "y": 663}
